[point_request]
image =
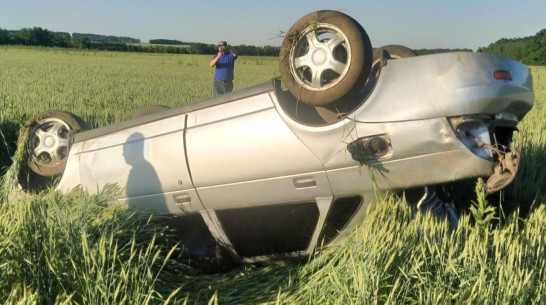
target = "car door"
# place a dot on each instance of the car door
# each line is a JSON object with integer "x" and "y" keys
{"x": 147, "y": 161}
{"x": 259, "y": 182}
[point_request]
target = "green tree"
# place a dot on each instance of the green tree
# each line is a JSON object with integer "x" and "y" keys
{"x": 79, "y": 43}
{"x": 201, "y": 48}
{"x": 4, "y": 37}
{"x": 61, "y": 40}
{"x": 529, "y": 50}
{"x": 34, "y": 37}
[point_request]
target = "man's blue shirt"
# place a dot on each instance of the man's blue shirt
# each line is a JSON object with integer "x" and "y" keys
{"x": 225, "y": 66}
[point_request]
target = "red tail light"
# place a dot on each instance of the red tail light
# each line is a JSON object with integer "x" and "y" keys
{"x": 502, "y": 74}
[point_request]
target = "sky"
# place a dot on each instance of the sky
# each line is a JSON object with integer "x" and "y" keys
{"x": 417, "y": 24}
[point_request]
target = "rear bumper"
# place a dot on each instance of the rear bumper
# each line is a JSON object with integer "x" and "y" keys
{"x": 435, "y": 151}
{"x": 492, "y": 139}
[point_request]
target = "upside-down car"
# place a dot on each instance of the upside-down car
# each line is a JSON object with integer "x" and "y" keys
{"x": 274, "y": 170}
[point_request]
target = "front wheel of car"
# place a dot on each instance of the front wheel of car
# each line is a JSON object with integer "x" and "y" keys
{"x": 325, "y": 56}
{"x": 47, "y": 146}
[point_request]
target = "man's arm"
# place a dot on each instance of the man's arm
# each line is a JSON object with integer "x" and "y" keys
{"x": 215, "y": 59}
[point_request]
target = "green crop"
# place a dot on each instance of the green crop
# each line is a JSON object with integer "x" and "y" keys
{"x": 108, "y": 87}
{"x": 81, "y": 249}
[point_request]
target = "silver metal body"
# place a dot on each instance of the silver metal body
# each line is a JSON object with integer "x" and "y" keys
{"x": 242, "y": 154}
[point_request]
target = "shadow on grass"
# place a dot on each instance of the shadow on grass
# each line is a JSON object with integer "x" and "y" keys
{"x": 529, "y": 187}
{"x": 9, "y": 132}
{"x": 243, "y": 285}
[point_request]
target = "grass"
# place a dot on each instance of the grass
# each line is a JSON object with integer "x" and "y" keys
{"x": 394, "y": 259}
{"x": 108, "y": 87}
{"x": 80, "y": 249}
{"x": 531, "y": 180}
{"x": 75, "y": 249}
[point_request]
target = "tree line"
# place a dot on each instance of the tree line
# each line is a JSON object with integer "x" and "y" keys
{"x": 42, "y": 37}
{"x": 435, "y": 51}
{"x": 168, "y": 41}
{"x": 104, "y": 38}
{"x": 529, "y": 50}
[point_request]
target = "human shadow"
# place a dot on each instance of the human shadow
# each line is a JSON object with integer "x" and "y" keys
{"x": 143, "y": 187}
{"x": 9, "y": 132}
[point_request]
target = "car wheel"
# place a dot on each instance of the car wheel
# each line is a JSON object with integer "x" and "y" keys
{"x": 47, "y": 147}
{"x": 325, "y": 56}
{"x": 150, "y": 109}
{"x": 393, "y": 51}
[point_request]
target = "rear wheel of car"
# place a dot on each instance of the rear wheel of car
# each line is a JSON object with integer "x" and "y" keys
{"x": 150, "y": 109}
{"x": 47, "y": 145}
{"x": 392, "y": 51}
{"x": 325, "y": 56}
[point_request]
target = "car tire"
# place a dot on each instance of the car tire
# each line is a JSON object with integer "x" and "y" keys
{"x": 326, "y": 56}
{"x": 394, "y": 51}
{"x": 47, "y": 147}
{"x": 150, "y": 109}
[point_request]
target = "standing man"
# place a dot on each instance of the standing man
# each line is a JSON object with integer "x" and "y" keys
{"x": 224, "y": 61}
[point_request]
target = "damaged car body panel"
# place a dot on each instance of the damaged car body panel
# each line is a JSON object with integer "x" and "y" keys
{"x": 269, "y": 176}
{"x": 436, "y": 85}
{"x": 245, "y": 165}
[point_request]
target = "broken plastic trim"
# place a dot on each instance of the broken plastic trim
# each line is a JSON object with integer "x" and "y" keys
{"x": 491, "y": 138}
{"x": 506, "y": 168}
{"x": 474, "y": 133}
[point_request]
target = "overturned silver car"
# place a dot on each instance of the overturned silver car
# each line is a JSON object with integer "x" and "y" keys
{"x": 274, "y": 170}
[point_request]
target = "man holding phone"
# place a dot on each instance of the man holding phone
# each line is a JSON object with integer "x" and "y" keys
{"x": 224, "y": 61}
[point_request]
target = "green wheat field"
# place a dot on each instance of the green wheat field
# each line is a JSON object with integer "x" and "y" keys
{"x": 78, "y": 249}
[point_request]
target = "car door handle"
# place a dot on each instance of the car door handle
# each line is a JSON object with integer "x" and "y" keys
{"x": 182, "y": 198}
{"x": 305, "y": 182}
